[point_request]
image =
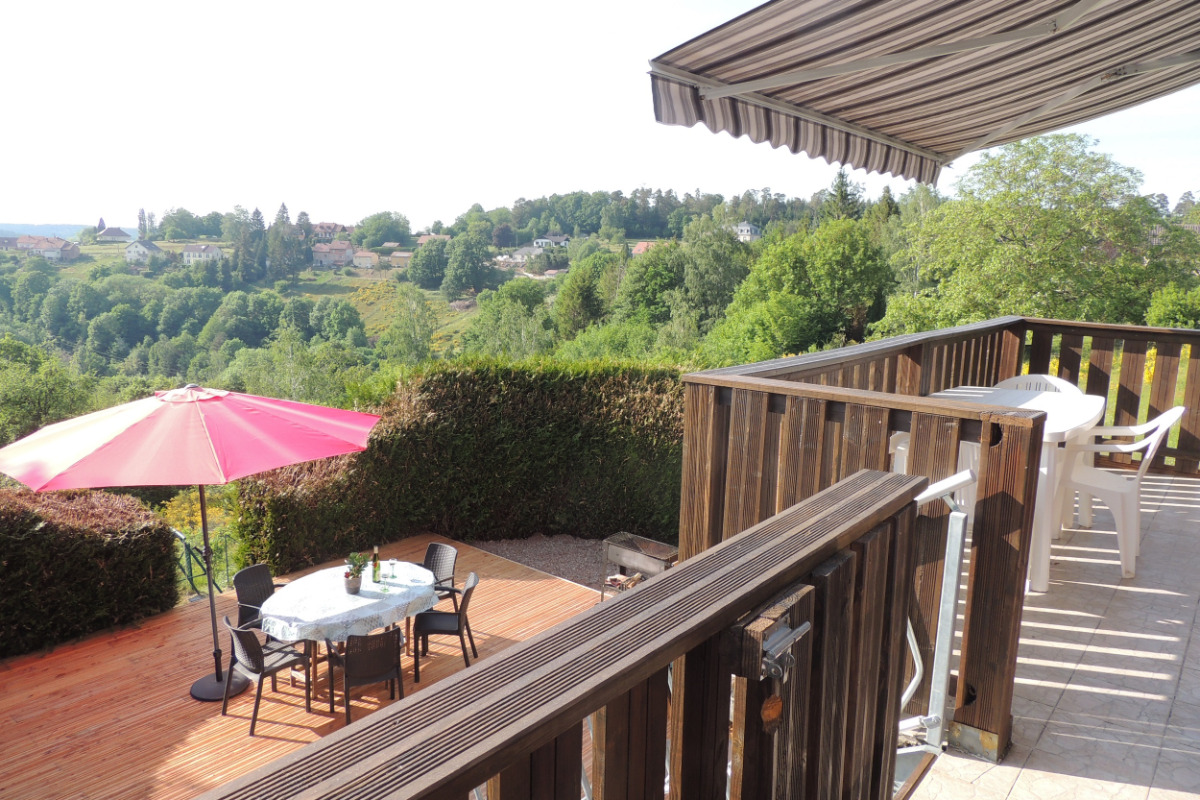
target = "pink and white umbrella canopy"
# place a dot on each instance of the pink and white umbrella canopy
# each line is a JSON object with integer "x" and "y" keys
{"x": 184, "y": 436}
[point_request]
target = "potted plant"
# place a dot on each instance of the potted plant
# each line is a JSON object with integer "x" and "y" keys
{"x": 355, "y": 563}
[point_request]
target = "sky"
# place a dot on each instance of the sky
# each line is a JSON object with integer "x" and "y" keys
{"x": 351, "y": 108}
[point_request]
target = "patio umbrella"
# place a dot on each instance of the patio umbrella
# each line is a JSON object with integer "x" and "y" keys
{"x": 185, "y": 436}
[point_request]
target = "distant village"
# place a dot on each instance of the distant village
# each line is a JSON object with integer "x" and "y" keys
{"x": 328, "y": 251}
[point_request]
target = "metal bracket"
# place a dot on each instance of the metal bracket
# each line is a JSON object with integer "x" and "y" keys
{"x": 777, "y": 660}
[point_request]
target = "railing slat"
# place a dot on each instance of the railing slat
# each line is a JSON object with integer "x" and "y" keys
{"x": 747, "y": 438}
{"x": 801, "y": 436}
{"x": 893, "y": 655}
{"x": 873, "y": 553}
{"x": 834, "y": 582}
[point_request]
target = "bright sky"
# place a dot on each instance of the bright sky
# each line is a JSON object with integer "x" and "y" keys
{"x": 350, "y": 108}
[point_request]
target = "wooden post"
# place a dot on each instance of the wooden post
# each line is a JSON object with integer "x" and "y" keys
{"x": 552, "y": 772}
{"x": 1000, "y": 542}
{"x": 629, "y": 743}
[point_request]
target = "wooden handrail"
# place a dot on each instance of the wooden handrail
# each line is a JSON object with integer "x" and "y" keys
{"x": 444, "y": 740}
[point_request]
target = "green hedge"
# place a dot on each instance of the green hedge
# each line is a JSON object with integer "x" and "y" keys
{"x": 486, "y": 450}
{"x": 76, "y": 562}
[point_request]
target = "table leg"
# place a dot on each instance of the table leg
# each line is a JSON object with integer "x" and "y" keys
{"x": 1047, "y": 513}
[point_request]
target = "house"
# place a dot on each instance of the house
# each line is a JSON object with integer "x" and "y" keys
{"x": 400, "y": 258}
{"x": 8, "y": 242}
{"x": 333, "y": 254}
{"x": 365, "y": 259}
{"x": 1158, "y": 234}
{"x": 201, "y": 252}
{"x": 113, "y": 235}
{"x": 552, "y": 240}
{"x": 747, "y": 231}
{"x": 50, "y": 248}
{"x": 519, "y": 257}
{"x": 641, "y": 247}
{"x": 139, "y": 252}
{"x": 328, "y": 231}
{"x": 430, "y": 237}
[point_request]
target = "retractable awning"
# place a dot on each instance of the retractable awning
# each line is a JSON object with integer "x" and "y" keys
{"x": 906, "y": 86}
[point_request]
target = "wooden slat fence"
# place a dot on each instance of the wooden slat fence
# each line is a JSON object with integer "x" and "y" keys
{"x": 1142, "y": 371}
{"x": 753, "y": 446}
{"x": 514, "y": 719}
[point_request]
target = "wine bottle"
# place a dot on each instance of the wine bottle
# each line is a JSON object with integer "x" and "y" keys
{"x": 375, "y": 565}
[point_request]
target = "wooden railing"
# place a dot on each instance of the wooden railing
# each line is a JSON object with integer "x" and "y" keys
{"x": 840, "y": 561}
{"x": 1142, "y": 371}
{"x": 760, "y": 437}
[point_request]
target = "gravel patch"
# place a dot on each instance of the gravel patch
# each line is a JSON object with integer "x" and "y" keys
{"x": 568, "y": 557}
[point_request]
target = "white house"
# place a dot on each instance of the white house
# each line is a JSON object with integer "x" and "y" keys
{"x": 748, "y": 231}
{"x": 139, "y": 252}
{"x": 201, "y": 252}
{"x": 552, "y": 240}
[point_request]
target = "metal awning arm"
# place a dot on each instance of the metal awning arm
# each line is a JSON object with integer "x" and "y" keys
{"x": 1115, "y": 74}
{"x": 1053, "y": 26}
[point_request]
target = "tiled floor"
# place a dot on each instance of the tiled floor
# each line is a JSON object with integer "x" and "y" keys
{"x": 1108, "y": 678}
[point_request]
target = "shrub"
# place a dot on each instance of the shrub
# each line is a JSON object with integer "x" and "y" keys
{"x": 76, "y": 562}
{"x": 486, "y": 450}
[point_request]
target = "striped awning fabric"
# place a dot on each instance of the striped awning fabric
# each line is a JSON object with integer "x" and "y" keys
{"x": 906, "y": 86}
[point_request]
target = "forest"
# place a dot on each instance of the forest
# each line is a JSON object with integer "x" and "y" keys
{"x": 1045, "y": 227}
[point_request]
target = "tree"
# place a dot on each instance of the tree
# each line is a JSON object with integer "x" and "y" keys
{"x": 284, "y": 247}
{"x": 804, "y": 291}
{"x": 408, "y": 337}
{"x": 467, "y": 260}
{"x": 428, "y": 265}
{"x": 843, "y": 200}
{"x": 1043, "y": 228}
{"x": 143, "y": 229}
{"x": 386, "y": 226}
{"x": 503, "y": 236}
{"x": 36, "y": 389}
{"x": 578, "y": 302}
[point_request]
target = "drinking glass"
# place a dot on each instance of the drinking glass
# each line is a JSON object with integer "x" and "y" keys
{"x": 392, "y": 567}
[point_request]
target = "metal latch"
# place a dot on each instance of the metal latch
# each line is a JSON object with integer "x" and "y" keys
{"x": 777, "y": 659}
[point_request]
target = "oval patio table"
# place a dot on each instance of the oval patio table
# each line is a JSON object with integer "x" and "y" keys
{"x": 317, "y": 606}
{"x": 1067, "y": 416}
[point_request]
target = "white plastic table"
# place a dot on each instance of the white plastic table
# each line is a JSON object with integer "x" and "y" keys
{"x": 317, "y": 606}
{"x": 1067, "y": 416}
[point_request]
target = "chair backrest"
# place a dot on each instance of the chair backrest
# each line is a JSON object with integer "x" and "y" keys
{"x": 369, "y": 657}
{"x": 253, "y": 586}
{"x": 246, "y": 648}
{"x": 440, "y": 559}
{"x": 468, "y": 590}
{"x": 1039, "y": 383}
{"x": 1162, "y": 425}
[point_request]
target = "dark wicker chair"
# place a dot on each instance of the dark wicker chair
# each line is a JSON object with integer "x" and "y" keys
{"x": 248, "y": 657}
{"x": 444, "y": 623}
{"x": 440, "y": 559}
{"x": 367, "y": 660}
{"x": 253, "y": 586}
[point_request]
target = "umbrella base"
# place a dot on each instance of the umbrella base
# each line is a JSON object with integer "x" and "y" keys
{"x": 210, "y": 689}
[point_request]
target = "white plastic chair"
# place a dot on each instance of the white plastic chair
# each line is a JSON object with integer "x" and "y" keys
{"x": 1051, "y": 383}
{"x": 1121, "y": 491}
{"x": 1039, "y": 383}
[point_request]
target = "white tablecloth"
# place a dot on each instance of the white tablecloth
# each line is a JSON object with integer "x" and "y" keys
{"x": 318, "y": 607}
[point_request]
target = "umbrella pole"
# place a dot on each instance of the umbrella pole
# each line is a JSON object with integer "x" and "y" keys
{"x": 212, "y": 687}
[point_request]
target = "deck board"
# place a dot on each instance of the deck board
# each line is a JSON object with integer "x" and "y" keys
{"x": 110, "y": 716}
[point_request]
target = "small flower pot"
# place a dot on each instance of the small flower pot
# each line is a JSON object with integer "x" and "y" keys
{"x": 353, "y": 584}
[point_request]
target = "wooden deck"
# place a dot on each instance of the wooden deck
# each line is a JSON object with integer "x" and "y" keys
{"x": 110, "y": 716}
